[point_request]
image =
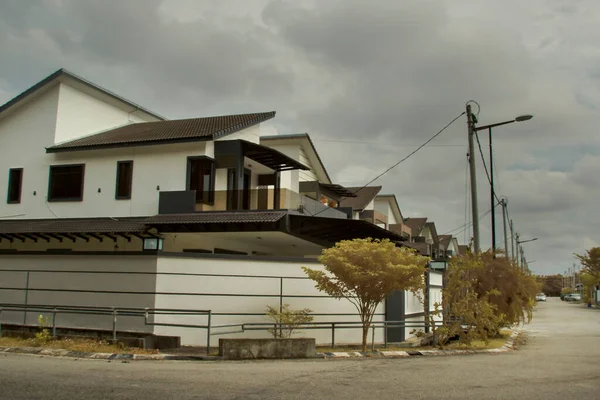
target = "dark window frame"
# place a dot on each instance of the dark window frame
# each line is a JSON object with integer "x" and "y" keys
{"x": 65, "y": 199}
{"x": 211, "y": 189}
{"x": 118, "y": 181}
{"x": 10, "y": 183}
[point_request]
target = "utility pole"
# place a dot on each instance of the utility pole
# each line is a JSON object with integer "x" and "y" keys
{"x": 517, "y": 236}
{"x": 512, "y": 241}
{"x": 472, "y": 158}
{"x": 504, "y": 218}
{"x": 522, "y": 259}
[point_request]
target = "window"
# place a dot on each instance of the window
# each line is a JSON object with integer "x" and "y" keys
{"x": 15, "y": 184}
{"x": 124, "y": 180}
{"x": 201, "y": 178}
{"x": 66, "y": 182}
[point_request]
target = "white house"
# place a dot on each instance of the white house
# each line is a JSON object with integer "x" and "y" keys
{"x": 109, "y": 204}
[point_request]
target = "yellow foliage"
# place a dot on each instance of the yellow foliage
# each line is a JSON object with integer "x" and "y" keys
{"x": 366, "y": 271}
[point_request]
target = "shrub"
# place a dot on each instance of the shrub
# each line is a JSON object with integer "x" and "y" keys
{"x": 288, "y": 320}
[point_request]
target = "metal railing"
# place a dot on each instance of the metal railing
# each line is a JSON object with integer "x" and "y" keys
{"x": 115, "y": 312}
{"x": 275, "y": 327}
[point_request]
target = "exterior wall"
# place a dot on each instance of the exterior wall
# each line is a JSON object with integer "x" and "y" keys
{"x": 155, "y": 168}
{"x": 80, "y": 114}
{"x": 236, "y": 290}
{"x": 69, "y": 281}
{"x": 306, "y": 176}
{"x": 371, "y": 205}
{"x": 290, "y": 179}
{"x": 385, "y": 208}
{"x": 250, "y": 134}
{"x": 24, "y": 133}
{"x": 239, "y": 292}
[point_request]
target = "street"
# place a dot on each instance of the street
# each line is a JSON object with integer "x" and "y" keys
{"x": 561, "y": 360}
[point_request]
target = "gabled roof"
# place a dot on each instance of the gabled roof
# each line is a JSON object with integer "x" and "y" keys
{"x": 391, "y": 198}
{"x": 433, "y": 230}
{"x": 307, "y": 145}
{"x": 364, "y": 195}
{"x": 463, "y": 249}
{"x": 415, "y": 225}
{"x": 162, "y": 132}
{"x": 445, "y": 240}
{"x": 63, "y": 74}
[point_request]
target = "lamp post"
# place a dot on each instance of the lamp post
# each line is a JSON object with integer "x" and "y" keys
{"x": 519, "y": 242}
{"x": 472, "y": 120}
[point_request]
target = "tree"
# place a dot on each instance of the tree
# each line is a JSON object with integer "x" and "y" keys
{"x": 365, "y": 272}
{"x": 551, "y": 284}
{"x": 591, "y": 263}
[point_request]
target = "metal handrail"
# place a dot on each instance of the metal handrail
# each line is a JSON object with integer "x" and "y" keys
{"x": 115, "y": 312}
{"x": 265, "y": 326}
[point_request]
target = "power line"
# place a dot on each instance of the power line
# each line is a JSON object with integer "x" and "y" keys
{"x": 487, "y": 173}
{"x": 405, "y": 158}
{"x": 466, "y": 226}
{"x": 384, "y": 144}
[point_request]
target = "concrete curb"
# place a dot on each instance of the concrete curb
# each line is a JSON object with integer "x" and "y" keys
{"x": 508, "y": 346}
{"x": 103, "y": 356}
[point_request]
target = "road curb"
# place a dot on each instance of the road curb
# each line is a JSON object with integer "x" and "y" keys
{"x": 508, "y": 346}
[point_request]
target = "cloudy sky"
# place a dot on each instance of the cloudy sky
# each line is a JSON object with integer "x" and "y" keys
{"x": 369, "y": 81}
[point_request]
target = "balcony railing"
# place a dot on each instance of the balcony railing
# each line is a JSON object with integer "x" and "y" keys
{"x": 179, "y": 202}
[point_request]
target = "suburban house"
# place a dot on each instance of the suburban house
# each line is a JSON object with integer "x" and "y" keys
{"x": 424, "y": 237}
{"x": 449, "y": 246}
{"x": 109, "y": 204}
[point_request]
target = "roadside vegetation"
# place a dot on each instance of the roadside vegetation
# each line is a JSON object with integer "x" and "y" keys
{"x": 79, "y": 344}
{"x": 483, "y": 294}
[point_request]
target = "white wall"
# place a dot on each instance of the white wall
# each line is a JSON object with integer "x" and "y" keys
{"x": 306, "y": 176}
{"x": 68, "y": 287}
{"x": 80, "y": 114}
{"x": 371, "y": 205}
{"x": 384, "y": 207}
{"x": 24, "y": 133}
{"x": 161, "y": 166}
{"x": 253, "y": 294}
{"x": 250, "y": 134}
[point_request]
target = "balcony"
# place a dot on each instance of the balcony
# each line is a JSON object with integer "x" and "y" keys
{"x": 185, "y": 202}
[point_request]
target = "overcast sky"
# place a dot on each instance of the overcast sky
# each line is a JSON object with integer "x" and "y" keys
{"x": 369, "y": 81}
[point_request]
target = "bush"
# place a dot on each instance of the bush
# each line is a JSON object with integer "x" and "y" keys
{"x": 484, "y": 294}
{"x": 288, "y": 320}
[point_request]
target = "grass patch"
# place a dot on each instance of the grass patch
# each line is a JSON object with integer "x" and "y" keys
{"x": 82, "y": 345}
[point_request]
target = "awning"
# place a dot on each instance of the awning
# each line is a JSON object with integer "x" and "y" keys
{"x": 72, "y": 228}
{"x": 226, "y": 152}
{"x": 338, "y": 189}
{"x": 327, "y": 231}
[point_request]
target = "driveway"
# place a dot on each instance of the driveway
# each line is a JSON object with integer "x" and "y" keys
{"x": 561, "y": 360}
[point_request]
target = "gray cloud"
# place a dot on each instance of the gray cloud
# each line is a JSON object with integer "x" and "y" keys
{"x": 388, "y": 74}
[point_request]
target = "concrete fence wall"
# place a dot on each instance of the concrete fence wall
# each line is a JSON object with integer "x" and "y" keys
{"x": 236, "y": 289}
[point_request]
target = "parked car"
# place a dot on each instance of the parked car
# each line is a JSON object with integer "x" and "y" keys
{"x": 540, "y": 297}
{"x": 573, "y": 297}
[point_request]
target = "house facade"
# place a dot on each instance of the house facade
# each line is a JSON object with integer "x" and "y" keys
{"x": 109, "y": 204}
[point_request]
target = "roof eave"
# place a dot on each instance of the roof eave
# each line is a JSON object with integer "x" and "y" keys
{"x": 63, "y": 72}
{"x": 127, "y": 144}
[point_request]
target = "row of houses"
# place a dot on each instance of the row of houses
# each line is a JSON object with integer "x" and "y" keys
{"x": 219, "y": 216}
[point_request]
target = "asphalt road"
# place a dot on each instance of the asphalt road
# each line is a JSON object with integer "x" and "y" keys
{"x": 561, "y": 360}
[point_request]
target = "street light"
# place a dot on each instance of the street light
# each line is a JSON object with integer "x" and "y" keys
{"x": 519, "y": 243}
{"x": 472, "y": 120}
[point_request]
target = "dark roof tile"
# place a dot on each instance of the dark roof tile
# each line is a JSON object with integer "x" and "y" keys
{"x": 364, "y": 195}
{"x": 415, "y": 225}
{"x": 217, "y": 217}
{"x": 165, "y": 131}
